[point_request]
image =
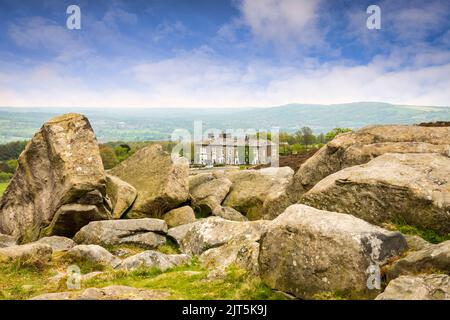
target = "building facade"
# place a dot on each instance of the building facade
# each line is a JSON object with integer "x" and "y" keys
{"x": 227, "y": 150}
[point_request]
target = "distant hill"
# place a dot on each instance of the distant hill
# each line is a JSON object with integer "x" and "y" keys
{"x": 157, "y": 124}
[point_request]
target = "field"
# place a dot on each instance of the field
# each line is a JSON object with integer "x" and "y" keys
{"x": 3, "y": 186}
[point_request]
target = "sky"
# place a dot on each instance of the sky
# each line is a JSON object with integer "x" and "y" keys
{"x": 216, "y": 54}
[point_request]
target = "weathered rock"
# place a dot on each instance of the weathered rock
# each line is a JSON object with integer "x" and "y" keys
{"x": 210, "y": 194}
{"x": 160, "y": 180}
{"x": 147, "y": 233}
{"x": 432, "y": 258}
{"x": 240, "y": 252}
{"x": 228, "y": 213}
{"x": 178, "y": 233}
{"x": 414, "y": 188}
{"x": 422, "y": 287}
{"x": 214, "y": 232}
{"x": 259, "y": 194}
{"x": 198, "y": 179}
{"x": 359, "y": 147}
{"x": 94, "y": 254}
{"x": 115, "y": 292}
{"x": 32, "y": 253}
{"x": 179, "y": 216}
{"x": 416, "y": 243}
{"x": 306, "y": 251}
{"x": 7, "y": 240}
{"x": 154, "y": 259}
{"x": 58, "y": 243}
{"x": 59, "y": 167}
{"x": 122, "y": 195}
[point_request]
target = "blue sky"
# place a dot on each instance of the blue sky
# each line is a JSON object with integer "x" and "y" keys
{"x": 212, "y": 53}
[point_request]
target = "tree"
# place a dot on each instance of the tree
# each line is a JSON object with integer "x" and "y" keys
{"x": 307, "y": 137}
{"x": 336, "y": 131}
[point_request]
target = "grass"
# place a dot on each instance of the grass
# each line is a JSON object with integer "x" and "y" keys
{"x": 3, "y": 186}
{"x": 184, "y": 282}
{"x": 428, "y": 235}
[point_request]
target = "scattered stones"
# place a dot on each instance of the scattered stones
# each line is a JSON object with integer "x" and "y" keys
{"x": 422, "y": 287}
{"x": 160, "y": 180}
{"x": 147, "y": 233}
{"x": 306, "y": 251}
{"x": 154, "y": 259}
{"x": 179, "y": 216}
{"x": 94, "y": 254}
{"x": 122, "y": 195}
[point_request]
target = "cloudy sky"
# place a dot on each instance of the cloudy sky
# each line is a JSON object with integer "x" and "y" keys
{"x": 230, "y": 53}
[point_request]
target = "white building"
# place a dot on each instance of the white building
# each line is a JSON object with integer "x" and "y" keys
{"x": 228, "y": 150}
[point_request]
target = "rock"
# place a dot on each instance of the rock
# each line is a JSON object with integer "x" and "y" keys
{"x": 259, "y": 194}
{"x": 195, "y": 180}
{"x": 414, "y": 188}
{"x": 228, "y": 213}
{"x": 58, "y": 243}
{"x": 422, "y": 287}
{"x": 154, "y": 259}
{"x": 432, "y": 258}
{"x": 94, "y": 254}
{"x": 33, "y": 253}
{"x": 7, "y": 241}
{"x": 359, "y": 147}
{"x": 214, "y": 232}
{"x": 178, "y": 233}
{"x": 240, "y": 252}
{"x": 306, "y": 251}
{"x": 161, "y": 182}
{"x": 60, "y": 166}
{"x": 179, "y": 216}
{"x": 115, "y": 292}
{"x": 147, "y": 233}
{"x": 416, "y": 243}
{"x": 209, "y": 195}
{"x": 122, "y": 195}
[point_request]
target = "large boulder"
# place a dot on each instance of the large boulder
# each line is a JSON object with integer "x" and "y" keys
{"x": 306, "y": 251}
{"x": 154, "y": 259}
{"x": 214, "y": 231}
{"x": 58, "y": 243}
{"x": 259, "y": 194}
{"x": 160, "y": 179}
{"x": 412, "y": 188}
{"x": 121, "y": 194}
{"x": 421, "y": 287}
{"x": 147, "y": 233}
{"x": 433, "y": 258}
{"x": 60, "y": 166}
{"x": 32, "y": 253}
{"x": 361, "y": 146}
{"x": 179, "y": 216}
{"x": 209, "y": 195}
{"x": 92, "y": 254}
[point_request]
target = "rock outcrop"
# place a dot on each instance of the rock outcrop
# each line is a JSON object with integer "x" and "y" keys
{"x": 121, "y": 194}
{"x": 228, "y": 213}
{"x": 421, "y": 287}
{"x": 306, "y": 251}
{"x": 209, "y": 195}
{"x": 154, "y": 259}
{"x": 414, "y": 188}
{"x": 32, "y": 253}
{"x": 58, "y": 243}
{"x": 147, "y": 233}
{"x": 160, "y": 180}
{"x": 179, "y": 216}
{"x": 259, "y": 194}
{"x": 359, "y": 147}
{"x": 433, "y": 258}
{"x": 93, "y": 254}
{"x": 59, "y": 184}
